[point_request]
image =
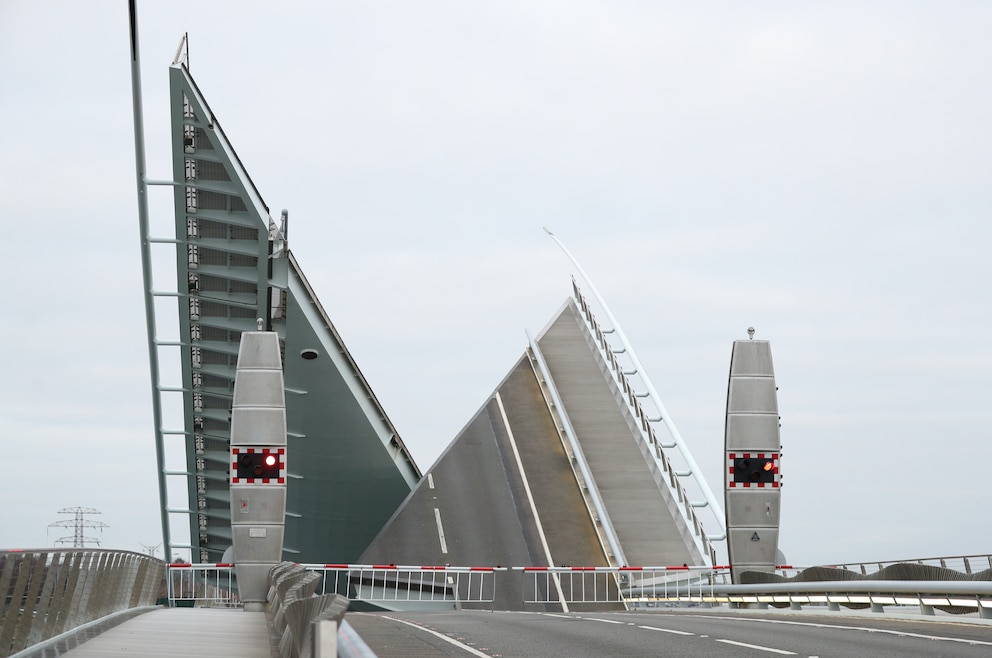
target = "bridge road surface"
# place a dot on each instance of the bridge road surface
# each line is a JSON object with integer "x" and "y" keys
{"x": 698, "y": 632}
{"x": 186, "y": 632}
{"x": 481, "y": 503}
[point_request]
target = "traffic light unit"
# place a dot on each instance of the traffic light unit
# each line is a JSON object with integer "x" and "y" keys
{"x": 258, "y": 465}
{"x": 759, "y": 470}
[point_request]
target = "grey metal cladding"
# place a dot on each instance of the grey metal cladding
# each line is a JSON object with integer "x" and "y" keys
{"x": 257, "y": 426}
{"x": 752, "y": 357}
{"x": 269, "y": 508}
{"x": 259, "y": 388}
{"x": 752, "y": 395}
{"x": 260, "y": 354}
{"x": 753, "y": 432}
{"x": 754, "y": 508}
{"x": 754, "y": 546}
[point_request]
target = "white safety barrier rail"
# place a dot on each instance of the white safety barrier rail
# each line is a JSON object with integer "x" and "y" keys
{"x": 619, "y": 585}
{"x": 955, "y": 596}
{"x": 428, "y": 587}
{"x": 203, "y": 585}
{"x": 393, "y": 584}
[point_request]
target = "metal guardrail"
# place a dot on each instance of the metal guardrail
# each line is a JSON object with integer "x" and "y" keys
{"x": 50, "y": 591}
{"x": 956, "y": 597}
{"x": 651, "y": 442}
{"x": 637, "y": 587}
{"x": 964, "y": 563}
{"x": 203, "y": 585}
{"x": 392, "y": 585}
{"x": 399, "y": 585}
{"x": 215, "y": 585}
{"x": 618, "y": 585}
{"x": 632, "y": 587}
{"x": 307, "y": 623}
{"x": 46, "y": 592}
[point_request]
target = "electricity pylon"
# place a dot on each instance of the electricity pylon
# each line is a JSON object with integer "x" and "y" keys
{"x": 78, "y": 523}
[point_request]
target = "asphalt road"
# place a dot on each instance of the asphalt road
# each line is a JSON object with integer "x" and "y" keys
{"x": 669, "y": 633}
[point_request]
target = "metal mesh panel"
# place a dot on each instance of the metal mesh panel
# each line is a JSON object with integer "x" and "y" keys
{"x": 213, "y": 257}
{"x": 244, "y": 233}
{"x": 207, "y": 170}
{"x": 211, "y": 200}
{"x": 223, "y": 231}
{"x": 240, "y": 312}
{"x": 211, "y": 402}
{"x": 213, "y": 381}
{"x": 212, "y": 229}
{"x": 223, "y": 335}
{"x": 244, "y": 286}
{"x": 237, "y": 205}
{"x": 218, "y": 358}
{"x": 203, "y": 140}
{"x": 214, "y": 425}
{"x": 237, "y": 260}
{"x": 213, "y": 283}
{"x": 213, "y": 310}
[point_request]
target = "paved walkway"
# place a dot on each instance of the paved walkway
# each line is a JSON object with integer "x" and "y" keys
{"x": 186, "y": 632}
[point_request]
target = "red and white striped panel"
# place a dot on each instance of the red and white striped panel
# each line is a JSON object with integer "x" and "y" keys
{"x": 281, "y": 452}
{"x": 749, "y": 455}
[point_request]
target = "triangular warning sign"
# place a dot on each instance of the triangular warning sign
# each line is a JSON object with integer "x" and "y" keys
{"x": 755, "y": 537}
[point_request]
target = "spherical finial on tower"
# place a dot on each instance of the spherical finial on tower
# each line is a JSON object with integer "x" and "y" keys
{"x": 750, "y": 333}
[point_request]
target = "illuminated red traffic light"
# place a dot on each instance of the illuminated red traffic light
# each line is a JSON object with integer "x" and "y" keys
{"x": 262, "y": 465}
{"x": 754, "y": 470}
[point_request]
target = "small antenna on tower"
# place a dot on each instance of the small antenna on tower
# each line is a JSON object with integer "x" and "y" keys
{"x": 182, "y": 52}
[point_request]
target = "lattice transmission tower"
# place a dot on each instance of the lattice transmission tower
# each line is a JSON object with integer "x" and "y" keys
{"x": 150, "y": 551}
{"x": 78, "y": 539}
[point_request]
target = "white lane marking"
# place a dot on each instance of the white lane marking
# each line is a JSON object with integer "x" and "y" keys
{"x": 607, "y": 621}
{"x": 530, "y": 499}
{"x": 852, "y": 628}
{"x": 548, "y": 614}
{"x": 665, "y": 630}
{"x": 430, "y": 480}
{"x": 443, "y": 637}
{"x": 758, "y": 647}
{"x": 440, "y": 530}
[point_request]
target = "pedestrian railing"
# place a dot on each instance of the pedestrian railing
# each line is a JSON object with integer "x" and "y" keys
{"x": 968, "y": 564}
{"x": 396, "y": 584}
{"x": 430, "y": 587}
{"x": 203, "y": 585}
{"x": 47, "y": 592}
{"x": 955, "y": 597}
{"x": 621, "y": 585}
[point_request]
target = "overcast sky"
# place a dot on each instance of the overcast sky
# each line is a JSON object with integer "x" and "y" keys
{"x": 820, "y": 171}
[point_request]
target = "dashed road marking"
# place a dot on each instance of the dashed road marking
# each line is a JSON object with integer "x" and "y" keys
{"x": 440, "y": 530}
{"x": 758, "y": 647}
{"x": 666, "y": 630}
